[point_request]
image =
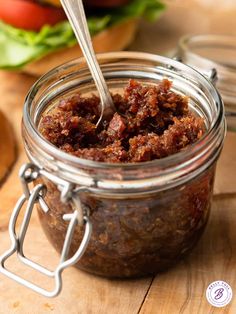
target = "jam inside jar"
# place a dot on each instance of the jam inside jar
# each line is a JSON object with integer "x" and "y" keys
{"x": 147, "y": 215}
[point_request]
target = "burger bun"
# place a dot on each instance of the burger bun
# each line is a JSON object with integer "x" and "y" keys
{"x": 114, "y": 38}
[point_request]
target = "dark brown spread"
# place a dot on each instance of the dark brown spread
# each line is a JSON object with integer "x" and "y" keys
{"x": 141, "y": 233}
{"x": 151, "y": 122}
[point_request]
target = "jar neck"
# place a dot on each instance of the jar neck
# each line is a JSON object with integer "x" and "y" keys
{"x": 118, "y": 68}
{"x": 147, "y": 177}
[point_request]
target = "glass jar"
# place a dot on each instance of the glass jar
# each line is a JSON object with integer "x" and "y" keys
{"x": 144, "y": 216}
{"x": 207, "y": 52}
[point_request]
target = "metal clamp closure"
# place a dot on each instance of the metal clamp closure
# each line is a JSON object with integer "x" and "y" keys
{"x": 29, "y": 173}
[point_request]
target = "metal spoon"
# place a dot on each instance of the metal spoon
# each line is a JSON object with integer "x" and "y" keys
{"x": 74, "y": 10}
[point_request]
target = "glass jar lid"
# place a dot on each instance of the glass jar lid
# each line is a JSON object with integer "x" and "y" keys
{"x": 207, "y": 52}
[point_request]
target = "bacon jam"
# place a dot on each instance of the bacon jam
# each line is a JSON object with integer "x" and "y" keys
{"x": 136, "y": 234}
{"x": 151, "y": 122}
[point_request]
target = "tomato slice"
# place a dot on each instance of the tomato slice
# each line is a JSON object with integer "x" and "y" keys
{"x": 29, "y": 15}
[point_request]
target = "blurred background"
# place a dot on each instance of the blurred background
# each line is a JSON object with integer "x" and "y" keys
{"x": 183, "y": 17}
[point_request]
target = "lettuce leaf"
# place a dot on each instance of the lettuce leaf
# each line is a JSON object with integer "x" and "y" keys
{"x": 19, "y": 47}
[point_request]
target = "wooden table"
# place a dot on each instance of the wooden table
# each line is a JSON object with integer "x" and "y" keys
{"x": 180, "y": 290}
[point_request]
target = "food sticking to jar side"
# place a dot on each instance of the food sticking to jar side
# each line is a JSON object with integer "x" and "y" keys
{"x": 134, "y": 235}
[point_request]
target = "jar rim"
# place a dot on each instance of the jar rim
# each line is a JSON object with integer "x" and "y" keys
{"x": 171, "y": 161}
{"x": 188, "y": 42}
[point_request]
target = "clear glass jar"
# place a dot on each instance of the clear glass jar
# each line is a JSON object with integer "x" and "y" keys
{"x": 145, "y": 216}
{"x": 207, "y": 52}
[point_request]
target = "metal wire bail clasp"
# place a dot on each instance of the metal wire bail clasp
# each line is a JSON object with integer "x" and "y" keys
{"x": 29, "y": 173}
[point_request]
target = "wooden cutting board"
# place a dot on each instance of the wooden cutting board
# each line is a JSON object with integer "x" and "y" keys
{"x": 181, "y": 290}
{"x": 7, "y": 147}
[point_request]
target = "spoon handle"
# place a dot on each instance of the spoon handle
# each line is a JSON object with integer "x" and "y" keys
{"x": 74, "y": 10}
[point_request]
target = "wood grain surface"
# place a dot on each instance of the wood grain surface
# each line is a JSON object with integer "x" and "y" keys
{"x": 7, "y": 147}
{"x": 180, "y": 290}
